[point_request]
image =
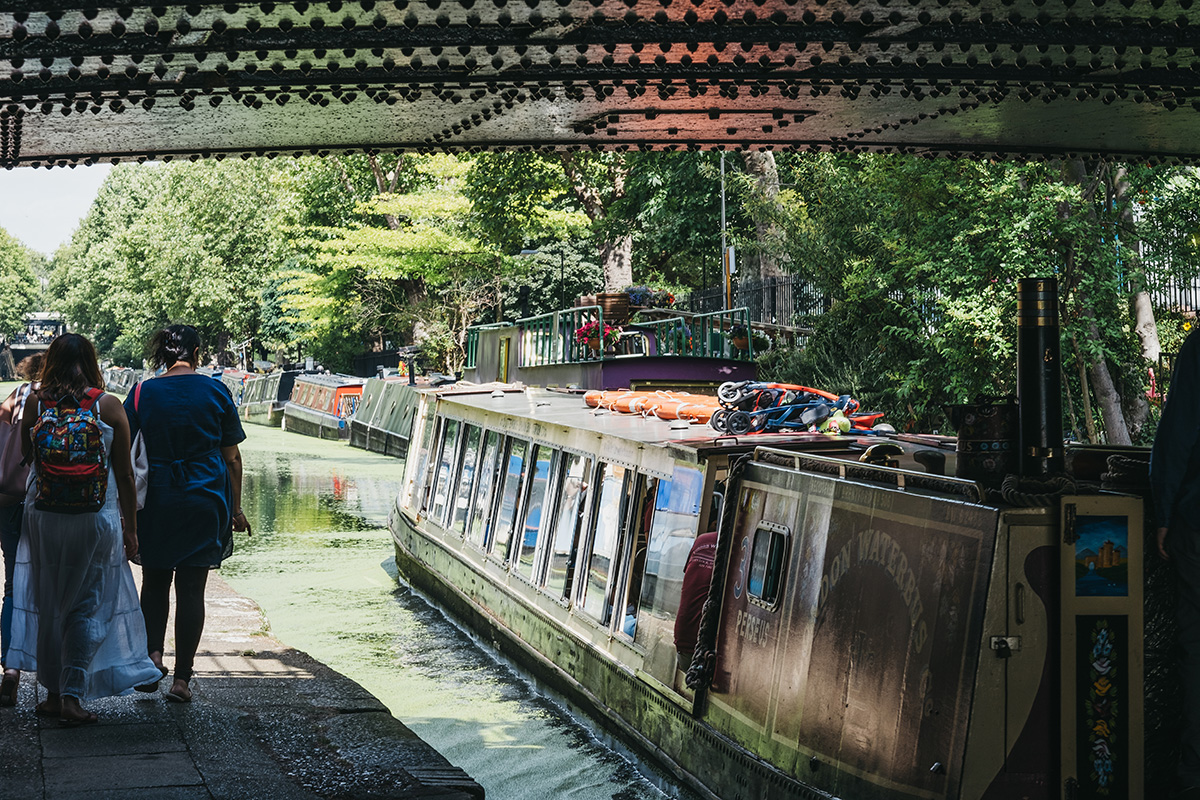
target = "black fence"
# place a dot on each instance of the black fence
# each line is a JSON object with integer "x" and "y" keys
{"x": 1180, "y": 297}
{"x": 778, "y": 301}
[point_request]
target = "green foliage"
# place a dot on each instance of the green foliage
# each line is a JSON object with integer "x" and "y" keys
{"x": 18, "y": 283}
{"x": 522, "y": 201}
{"x": 171, "y": 243}
{"x": 921, "y": 259}
{"x": 549, "y": 279}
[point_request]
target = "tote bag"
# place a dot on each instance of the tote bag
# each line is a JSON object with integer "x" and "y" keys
{"x": 137, "y": 454}
{"x": 14, "y": 476}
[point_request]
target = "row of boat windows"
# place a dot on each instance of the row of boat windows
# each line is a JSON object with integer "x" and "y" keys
{"x": 326, "y": 398}
{"x": 594, "y": 534}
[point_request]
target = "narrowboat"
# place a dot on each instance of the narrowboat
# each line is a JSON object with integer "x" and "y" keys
{"x": 265, "y": 396}
{"x": 383, "y": 410}
{"x": 234, "y": 380}
{"x": 872, "y": 629}
{"x": 323, "y": 405}
{"x": 120, "y": 380}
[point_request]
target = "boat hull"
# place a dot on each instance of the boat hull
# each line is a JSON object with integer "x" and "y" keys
{"x": 298, "y": 419}
{"x": 527, "y": 631}
{"x": 267, "y": 413}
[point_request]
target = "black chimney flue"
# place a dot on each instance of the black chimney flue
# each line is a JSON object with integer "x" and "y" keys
{"x": 1039, "y": 381}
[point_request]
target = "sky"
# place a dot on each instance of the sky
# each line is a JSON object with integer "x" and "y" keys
{"x": 43, "y": 207}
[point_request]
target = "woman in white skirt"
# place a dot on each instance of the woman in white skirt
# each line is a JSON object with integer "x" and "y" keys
{"x": 77, "y": 620}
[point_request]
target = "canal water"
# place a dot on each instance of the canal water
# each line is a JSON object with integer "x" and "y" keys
{"x": 322, "y": 567}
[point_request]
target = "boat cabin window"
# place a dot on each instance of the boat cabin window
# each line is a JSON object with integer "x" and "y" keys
{"x": 510, "y": 493}
{"x": 572, "y": 497}
{"x": 481, "y": 501}
{"x": 634, "y": 560}
{"x": 612, "y": 504}
{"x": 672, "y": 532}
{"x": 428, "y": 462}
{"x": 768, "y": 558}
{"x": 532, "y": 515}
{"x": 466, "y": 476}
{"x": 443, "y": 487}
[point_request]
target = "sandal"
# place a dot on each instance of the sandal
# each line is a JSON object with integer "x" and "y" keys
{"x": 75, "y": 722}
{"x": 48, "y": 708}
{"x": 8, "y": 687}
{"x": 180, "y": 695}
{"x": 151, "y": 687}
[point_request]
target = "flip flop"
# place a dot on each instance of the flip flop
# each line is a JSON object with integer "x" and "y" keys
{"x": 71, "y": 722}
{"x": 178, "y": 697}
{"x": 43, "y": 710}
{"x": 175, "y": 697}
{"x": 151, "y": 687}
{"x": 8, "y": 689}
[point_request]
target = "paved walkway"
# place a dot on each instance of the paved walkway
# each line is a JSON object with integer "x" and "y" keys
{"x": 266, "y": 722}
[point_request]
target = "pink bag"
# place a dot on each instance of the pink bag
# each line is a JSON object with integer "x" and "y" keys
{"x": 14, "y": 476}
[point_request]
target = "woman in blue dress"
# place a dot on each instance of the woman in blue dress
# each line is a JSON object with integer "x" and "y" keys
{"x": 191, "y": 429}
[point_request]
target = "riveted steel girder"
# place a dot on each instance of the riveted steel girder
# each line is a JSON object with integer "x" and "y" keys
{"x": 81, "y": 82}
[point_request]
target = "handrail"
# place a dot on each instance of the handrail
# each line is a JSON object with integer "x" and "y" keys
{"x": 471, "y": 346}
{"x": 702, "y": 335}
{"x": 550, "y": 338}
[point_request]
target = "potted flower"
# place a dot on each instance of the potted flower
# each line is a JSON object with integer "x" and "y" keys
{"x": 597, "y": 337}
{"x": 739, "y": 337}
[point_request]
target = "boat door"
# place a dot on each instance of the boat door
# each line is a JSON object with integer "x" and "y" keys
{"x": 1103, "y": 700}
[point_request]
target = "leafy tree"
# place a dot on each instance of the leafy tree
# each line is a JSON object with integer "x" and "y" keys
{"x": 178, "y": 242}
{"x": 422, "y": 276}
{"x": 18, "y": 283}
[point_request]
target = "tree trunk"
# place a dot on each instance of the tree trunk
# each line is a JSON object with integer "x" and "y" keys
{"x": 1105, "y": 389}
{"x": 1143, "y": 312}
{"x": 616, "y": 252}
{"x": 617, "y": 257}
{"x": 762, "y": 166}
{"x": 1089, "y": 422}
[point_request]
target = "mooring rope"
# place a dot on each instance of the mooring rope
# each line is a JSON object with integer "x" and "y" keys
{"x": 1033, "y": 492}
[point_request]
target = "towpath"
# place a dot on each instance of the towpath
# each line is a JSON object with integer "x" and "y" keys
{"x": 267, "y": 721}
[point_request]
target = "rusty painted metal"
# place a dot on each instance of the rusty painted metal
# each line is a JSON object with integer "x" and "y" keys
{"x": 97, "y": 82}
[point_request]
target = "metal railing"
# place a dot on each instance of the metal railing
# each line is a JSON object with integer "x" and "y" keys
{"x": 552, "y": 339}
{"x": 471, "y": 346}
{"x": 703, "y": 335}
{"x": 779, "y": 301}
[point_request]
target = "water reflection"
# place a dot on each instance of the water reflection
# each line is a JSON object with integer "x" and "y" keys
{"x": 308, "y": 498}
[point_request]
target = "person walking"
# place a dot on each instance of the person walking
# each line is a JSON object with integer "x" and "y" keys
{"x": 13, "y": 476}
{"x": 1175, "y": 489}
{"x": 76, "y": 619}
{"x": 191, "y": 430}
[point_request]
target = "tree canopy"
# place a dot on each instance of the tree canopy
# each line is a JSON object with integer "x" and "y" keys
{"x": 918, "y": 260}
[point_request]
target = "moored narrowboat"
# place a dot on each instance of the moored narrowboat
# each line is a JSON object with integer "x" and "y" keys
{"x": 386, "y": 408}
{"x": 265, "y": 396}
{"x": 323, "y": 405}
{"x": 234, "y": 380}
{"x": 879, "y": 631}
{"x": 872, "y": 629}
{"x": 120, "y": 380}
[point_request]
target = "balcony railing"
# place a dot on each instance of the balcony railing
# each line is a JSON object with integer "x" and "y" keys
{"x": 471, "y": 347}
{"x": 702, "y": 335}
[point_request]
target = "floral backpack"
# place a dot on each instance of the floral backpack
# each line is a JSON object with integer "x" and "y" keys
{"x": 70, "y": 467}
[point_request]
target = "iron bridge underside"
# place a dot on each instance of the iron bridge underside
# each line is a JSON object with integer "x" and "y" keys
{"x": 81, "y": 83}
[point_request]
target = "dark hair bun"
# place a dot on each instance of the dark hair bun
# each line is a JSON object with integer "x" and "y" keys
{"x": 173, "y": 344}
